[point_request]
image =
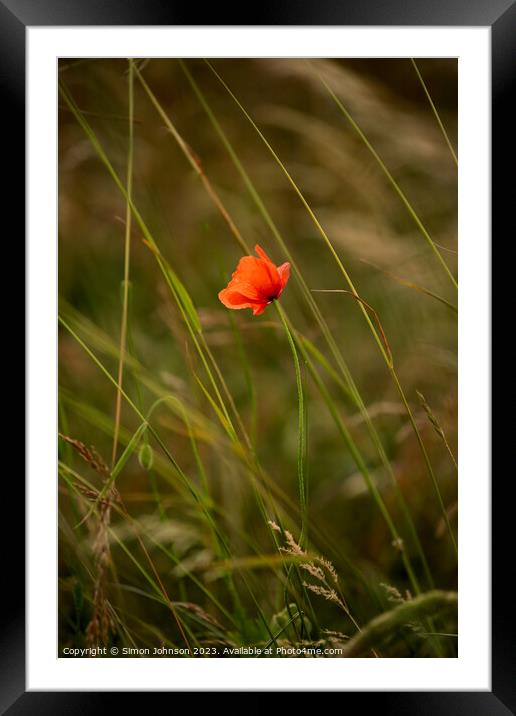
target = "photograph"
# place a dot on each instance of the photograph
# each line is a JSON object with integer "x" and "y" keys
{"x": 257, "y": 357}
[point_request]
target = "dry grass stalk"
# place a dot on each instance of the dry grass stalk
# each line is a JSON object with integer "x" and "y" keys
{"x": 436, "y": 425}
{"x": 319, "y": 568}
{"x": 88, "y": 454}
{"x": 101, "y": 623}
{"x": 394, "y": 594}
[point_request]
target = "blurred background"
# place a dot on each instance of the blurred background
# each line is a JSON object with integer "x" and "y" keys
{"x": 392, "y": 267}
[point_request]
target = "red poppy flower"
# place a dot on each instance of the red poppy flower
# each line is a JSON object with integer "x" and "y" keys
{"x": 255, "y": 283}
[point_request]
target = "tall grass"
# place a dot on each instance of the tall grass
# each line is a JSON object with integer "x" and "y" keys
{"x": 386, "y": 355}
{"x": 234, "y": 440}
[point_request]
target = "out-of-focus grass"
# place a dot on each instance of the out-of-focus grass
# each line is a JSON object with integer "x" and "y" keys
{"x": 169, "y": 171}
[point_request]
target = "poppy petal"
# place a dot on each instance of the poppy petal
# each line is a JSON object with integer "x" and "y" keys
{"x": 232, "y": 298}
{"x": 260, "y": 309}
{"x": 246, "y": 289}
{"x": 255, "y": 283}
{"x": 284, "y": 273}
{"x": 271, "y": 268}
{"x": 261, "y": 253}
{"x": 260, "y": 274}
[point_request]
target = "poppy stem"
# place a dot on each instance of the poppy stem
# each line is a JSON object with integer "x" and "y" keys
{"x": 301, "y": 427}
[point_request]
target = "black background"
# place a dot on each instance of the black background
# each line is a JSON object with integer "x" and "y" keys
{"x": 500, "y": 15}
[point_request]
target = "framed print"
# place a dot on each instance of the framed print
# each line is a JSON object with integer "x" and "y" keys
{"x": 258, "y": 359}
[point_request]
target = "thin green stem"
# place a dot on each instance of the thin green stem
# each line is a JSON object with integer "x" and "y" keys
{"x": 361, "y": 465}
{"x": 390, "y": 177}
{"x": 127, "y": 258}
{"x": 427, "y": 461}
{"x": 436, "y": 113}
{"x": 301, "y": 427}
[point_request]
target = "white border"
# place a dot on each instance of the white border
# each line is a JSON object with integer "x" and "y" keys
{"x": 471, "y": 671}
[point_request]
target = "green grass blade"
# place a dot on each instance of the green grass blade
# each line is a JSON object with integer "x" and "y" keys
{"x": 127, "y": 259}
{"x": 387, "y": 624}
{"x": 391, "y": 179}
{"x": 301, "y": 468}
{"x": 436, "y": 113}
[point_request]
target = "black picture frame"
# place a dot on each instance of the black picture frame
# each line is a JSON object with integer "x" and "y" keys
{"x": 500, "y": 16}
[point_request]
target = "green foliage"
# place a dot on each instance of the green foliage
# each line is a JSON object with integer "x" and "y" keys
{"x": 268, "y": 474}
